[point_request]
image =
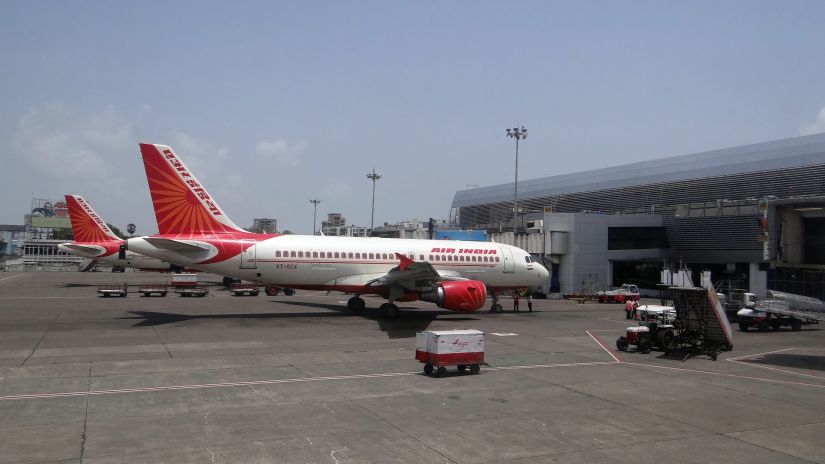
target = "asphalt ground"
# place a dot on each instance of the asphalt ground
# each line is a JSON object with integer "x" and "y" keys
{"x": 299, "y": 379}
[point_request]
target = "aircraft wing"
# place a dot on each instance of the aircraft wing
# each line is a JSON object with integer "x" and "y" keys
{"x": 413, "y": 275}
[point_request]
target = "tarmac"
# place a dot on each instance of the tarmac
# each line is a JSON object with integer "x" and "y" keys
{"x": 300, "y": 379}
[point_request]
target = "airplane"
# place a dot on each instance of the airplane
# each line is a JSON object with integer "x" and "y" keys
{"x": 195, "y": 232}
{"x": 94, "y": 240}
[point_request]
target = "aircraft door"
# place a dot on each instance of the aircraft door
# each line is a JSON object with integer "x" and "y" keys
{"x": 507, "y": 256}
{"x": 248, "y": 255}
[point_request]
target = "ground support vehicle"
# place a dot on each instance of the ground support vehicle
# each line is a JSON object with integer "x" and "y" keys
{"x": 196, "y": 290}
{"x": 107, "y": 290}
{"x": 628, "y": 292}
{"x": 655, "y": 330}
{"x": 440, "y": 349}
{"x": 240, "y": 289}
{"x": 781, "y": 310}
{"x": 701, "y": 326}
{"x": 150, "y": 289}
{"x": 186, "y": 284}
{"x": 273, "y": 290}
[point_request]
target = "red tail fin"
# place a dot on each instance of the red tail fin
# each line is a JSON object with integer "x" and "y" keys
{"x": 87, "y": 226}
{"x": 182, "y": 205}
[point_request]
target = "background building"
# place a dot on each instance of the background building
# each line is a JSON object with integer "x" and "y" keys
{"x": 754, "y": 213}
{"x": 264, "y": 226}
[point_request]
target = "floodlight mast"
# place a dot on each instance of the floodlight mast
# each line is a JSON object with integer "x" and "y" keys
{"x": 373, "y": 176}
{"x": 517, "y": 134}
{"x": 314, "y": 202}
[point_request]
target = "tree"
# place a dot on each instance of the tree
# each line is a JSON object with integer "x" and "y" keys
{"x": 116, "y": 231}
{"x": 287, "y": 232}
{"x": 131, "y": 228}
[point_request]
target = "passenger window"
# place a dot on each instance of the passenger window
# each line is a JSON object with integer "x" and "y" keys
{"x": 372, "y": 256}
{"x": 292, "y": 253}
{"x": 337, "y": 255}
{"x": 314, "y": 254}
{"x": 422, "y": 257}
{"x": 278, "y": 254}
{"x": 350, "y": 255}
{"x": 449, "y": 257}
{"x": 431, "y": 257}
{"x": 497, "y": 260}
{"x": 300, "y": 254}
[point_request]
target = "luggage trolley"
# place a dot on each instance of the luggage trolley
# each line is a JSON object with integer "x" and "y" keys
{"x": 439, "y": 349}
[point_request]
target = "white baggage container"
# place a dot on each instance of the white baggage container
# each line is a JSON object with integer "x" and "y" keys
{"x": 461, "y": 348}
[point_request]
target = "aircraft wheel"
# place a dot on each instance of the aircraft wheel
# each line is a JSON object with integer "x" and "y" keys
{"x": 227, "y": 281}
{"x": 622, "y": 344}
{"x": 743, "y": 326}
{"x": 441, "y": 371}
{"x": 796, "y": 325}
{"x": 289, "y": 292}
{"x": 764, "y": 326}
{"x": 461, "y": 367}
{"x": 497, "y": 308}
{"x": 475, "y": 369}
{"x": 390, "y": 310}
{"x": 428, "y": 369}
{"x": 356, "y": 304}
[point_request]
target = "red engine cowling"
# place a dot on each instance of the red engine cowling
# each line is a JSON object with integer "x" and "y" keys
{"x": 460, "y": 295}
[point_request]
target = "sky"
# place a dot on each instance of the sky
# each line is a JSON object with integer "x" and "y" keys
{"x": 273, "y": 103}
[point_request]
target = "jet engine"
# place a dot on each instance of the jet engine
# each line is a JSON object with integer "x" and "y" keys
{"x": 457, "y": 295}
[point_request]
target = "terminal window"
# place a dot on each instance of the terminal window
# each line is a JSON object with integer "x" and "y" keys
{"x": 636, "y": 238}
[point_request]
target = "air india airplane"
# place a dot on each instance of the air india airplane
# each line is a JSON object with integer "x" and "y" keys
{"x": 94, "y": 240}
{"x": 196, "y": 233}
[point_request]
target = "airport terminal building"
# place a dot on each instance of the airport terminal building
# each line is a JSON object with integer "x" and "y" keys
{"x": 754, "y": 214}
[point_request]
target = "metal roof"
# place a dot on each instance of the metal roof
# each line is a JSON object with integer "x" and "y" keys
{"x": 766, "y": 156}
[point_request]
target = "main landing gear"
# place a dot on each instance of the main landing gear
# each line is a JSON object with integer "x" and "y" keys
{"x": 357, "y": 304}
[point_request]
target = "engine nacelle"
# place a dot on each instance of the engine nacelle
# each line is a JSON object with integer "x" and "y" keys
{"x": 458, "y": 295}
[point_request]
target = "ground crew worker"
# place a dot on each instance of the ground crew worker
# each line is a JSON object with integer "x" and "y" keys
{"x": 515, "y": 300}
{"x": 628, "y": 308}
{"x": 634, "y": 315}
{"x": 530, "y": 302}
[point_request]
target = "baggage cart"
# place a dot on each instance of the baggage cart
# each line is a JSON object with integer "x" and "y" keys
{"x": 440, "y": 349}
{"x": 107, "y": 290}
{"x": 196, "y": 290}
{"x": 150, "y": 289}
{"x": 240, "y": 289}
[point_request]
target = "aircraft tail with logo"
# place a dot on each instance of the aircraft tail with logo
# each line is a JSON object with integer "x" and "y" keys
{"x": 87, "y": 226}
{"x": 182, "y": 205}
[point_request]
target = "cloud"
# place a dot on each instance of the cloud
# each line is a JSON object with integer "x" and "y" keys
{"x": 281, "y": 151}
{"x": 59, "y": 142}
{"x": 815, "y": 127}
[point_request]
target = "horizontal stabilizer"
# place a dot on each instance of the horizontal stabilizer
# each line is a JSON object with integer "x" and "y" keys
{"x": 89, "y": 250}
{"x": 177, "y": 246}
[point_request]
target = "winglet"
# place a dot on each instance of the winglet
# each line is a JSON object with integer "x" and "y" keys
{"x": 404, "y": 261}
{"x": 87, "y": 226}
{"x": 182, "y": 204}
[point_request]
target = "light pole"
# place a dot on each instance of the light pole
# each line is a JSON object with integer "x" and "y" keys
{"x": 314, "y": 202}
{"x": 373, "y": 176}
{"x": 518, "y": 135}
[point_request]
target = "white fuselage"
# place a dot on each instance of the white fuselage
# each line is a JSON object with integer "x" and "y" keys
{"x": 305, "y": 261}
